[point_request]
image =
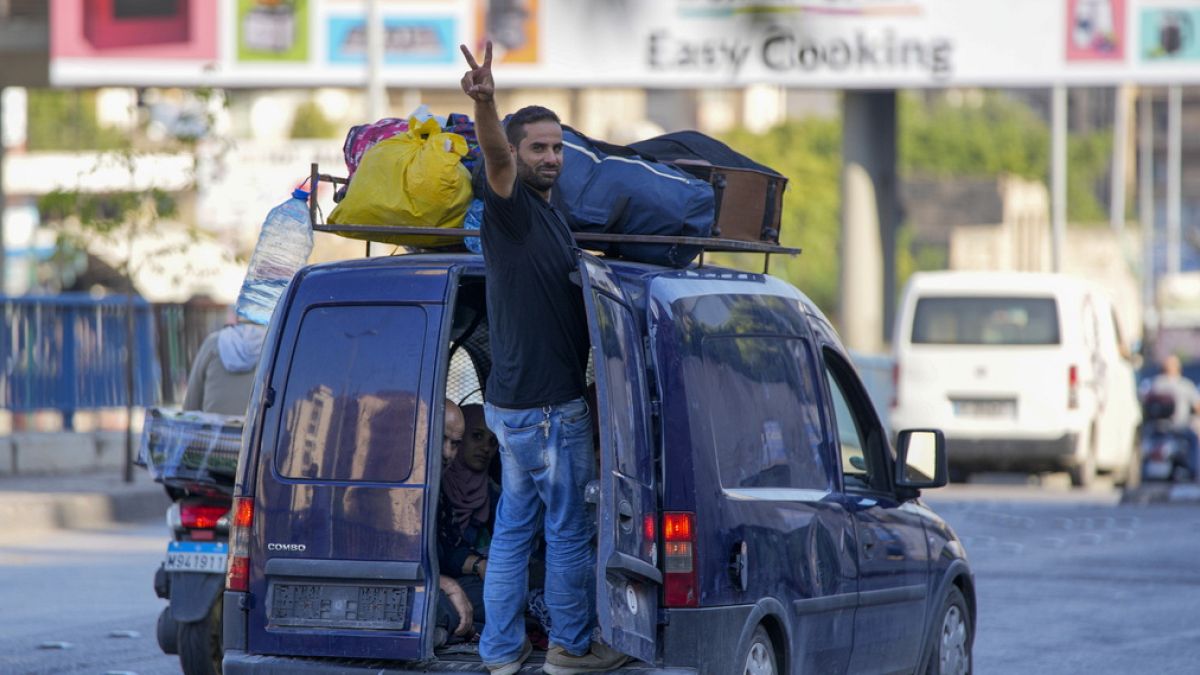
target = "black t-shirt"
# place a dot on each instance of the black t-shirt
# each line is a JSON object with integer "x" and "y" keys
{"x": 537, "y": 326}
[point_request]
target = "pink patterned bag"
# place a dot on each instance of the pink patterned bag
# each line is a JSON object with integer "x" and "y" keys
{"x": 364, "y": 136}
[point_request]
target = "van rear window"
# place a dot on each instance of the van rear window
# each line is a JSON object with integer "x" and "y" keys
{"x": 985, "y": 321}
{"x": 350, "y": 406}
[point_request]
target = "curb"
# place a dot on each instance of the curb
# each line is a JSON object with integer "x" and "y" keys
{"x": 1163, "y": 493}
{"x": 27, "y": 512}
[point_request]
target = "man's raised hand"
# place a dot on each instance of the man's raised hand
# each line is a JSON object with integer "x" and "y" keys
{"x": 477, "y": 82}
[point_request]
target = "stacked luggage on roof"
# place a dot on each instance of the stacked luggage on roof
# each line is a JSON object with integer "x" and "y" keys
{"x": 425, "y": 171}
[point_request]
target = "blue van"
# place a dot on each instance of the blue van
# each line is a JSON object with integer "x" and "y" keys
{"x": 752, "y": 514}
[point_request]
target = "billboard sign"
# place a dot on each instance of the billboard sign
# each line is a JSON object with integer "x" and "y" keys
{"x": 829, "y": 44}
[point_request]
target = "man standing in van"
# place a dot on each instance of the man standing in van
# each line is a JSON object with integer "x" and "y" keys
{"x": 534, "y": 394}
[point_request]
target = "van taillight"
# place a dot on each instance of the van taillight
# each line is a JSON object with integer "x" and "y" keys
{"x": 201, "y": 516}
{"x": 679, "y": 560}
{"x": 1073, "y": 387}
{"x": 237, "y": 577}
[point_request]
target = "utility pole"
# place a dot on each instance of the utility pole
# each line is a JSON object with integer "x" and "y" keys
{"x": 1174, "y": 111}
{"x": 1146, "y": 210}
{"x": 1058, "y": 176}
{"x": 3, "y": 250}
{"x": 376, "y": 92}
{"x": 1116, "y": 206}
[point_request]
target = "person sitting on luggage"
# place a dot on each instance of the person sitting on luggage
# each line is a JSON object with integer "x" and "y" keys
{"x": 222, "y": 374}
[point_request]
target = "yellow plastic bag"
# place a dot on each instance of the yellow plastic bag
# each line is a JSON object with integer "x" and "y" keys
{"x": 410, "y": 180}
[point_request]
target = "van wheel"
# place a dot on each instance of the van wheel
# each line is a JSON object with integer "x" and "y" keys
{"x": 951, "y": 649}
{"x": 200, "y": 650}
{"x": 760, "y": 655}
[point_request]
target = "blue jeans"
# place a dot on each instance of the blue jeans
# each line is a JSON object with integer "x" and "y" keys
{"x": 547, "y": 460}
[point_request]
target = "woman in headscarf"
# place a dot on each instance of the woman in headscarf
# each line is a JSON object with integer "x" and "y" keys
{"x": 467, "y": 509}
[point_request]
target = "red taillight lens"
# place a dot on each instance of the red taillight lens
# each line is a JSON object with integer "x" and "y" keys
{"x": 243, "y": 512}
{"x": 679, "y": 561}
{"x": 1073, "y": 387}
{"x": 201, "y": 516}
{"x": 237, "y": 577}
{"x": 677, "y": 526}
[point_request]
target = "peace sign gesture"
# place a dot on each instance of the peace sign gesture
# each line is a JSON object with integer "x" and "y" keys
{"x": 477, "y": 82}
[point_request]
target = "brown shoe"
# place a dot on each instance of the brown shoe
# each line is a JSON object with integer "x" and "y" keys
{"x": 512, "y": 667}
{"x": 599, "y": 657}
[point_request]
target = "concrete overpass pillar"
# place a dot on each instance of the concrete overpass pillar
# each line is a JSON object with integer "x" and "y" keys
{"x": 870, "y": 216}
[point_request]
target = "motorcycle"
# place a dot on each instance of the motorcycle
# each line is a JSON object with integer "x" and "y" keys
{"x": 194, "y": 456}
{"x": 192, "y": 580}
{"x": 1165, "y": 450}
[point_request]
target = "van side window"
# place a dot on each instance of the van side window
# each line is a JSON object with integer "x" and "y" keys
{"x": 860, "y": 443}
{"x": 761, "y": 402}
{"x": 347, "y": 413}
{"x": 627, "y": 424}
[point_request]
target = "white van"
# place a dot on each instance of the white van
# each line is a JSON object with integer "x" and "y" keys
{"x": 1022, "y": 371}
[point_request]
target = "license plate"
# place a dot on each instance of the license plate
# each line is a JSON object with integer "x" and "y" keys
{"x": 1000, "y": 408}
{"x": 193, "y": 556}
{"x": 339, "y": 605}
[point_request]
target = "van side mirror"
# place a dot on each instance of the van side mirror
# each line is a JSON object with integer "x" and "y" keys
{"x": 921, "y": 459}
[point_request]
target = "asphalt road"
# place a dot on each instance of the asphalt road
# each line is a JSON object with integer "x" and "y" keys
{"x": 82, "y": 602}
{"x": 1068, "y": 582}
{"x": 1072, "y": 582}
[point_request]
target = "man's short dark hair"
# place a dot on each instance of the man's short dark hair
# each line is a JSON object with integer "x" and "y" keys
{"x": 514, "y": 127}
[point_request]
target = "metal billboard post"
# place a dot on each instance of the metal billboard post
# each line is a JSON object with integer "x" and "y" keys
{"x": 3, "y": 243}
{"x": 1116, "y": 210}
{"x": 1146, "y": 206}
{"x": 376, "y": 92}
{"x": 1058, "y": 176}
{"x": 1174, "y": 111}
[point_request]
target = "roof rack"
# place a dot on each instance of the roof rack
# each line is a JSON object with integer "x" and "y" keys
{"x": 389, "y": 233}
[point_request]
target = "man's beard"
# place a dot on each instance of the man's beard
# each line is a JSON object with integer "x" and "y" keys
{"x": 531, "y": 177}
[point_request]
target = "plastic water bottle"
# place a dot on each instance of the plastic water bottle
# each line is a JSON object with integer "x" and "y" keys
{"x": 283, "y": 246}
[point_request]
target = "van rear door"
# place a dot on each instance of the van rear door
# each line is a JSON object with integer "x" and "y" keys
{"x": 628, "y": 578}
{"x": 339, "y": 563}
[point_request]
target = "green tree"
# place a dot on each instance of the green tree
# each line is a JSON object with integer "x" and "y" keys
{"x": 997, "y": 137}
{"x": 310, "y": 122}
{"x": 119, "y": 217}
{"x": 65, "y": 119}
{"x": 809, "y": 153}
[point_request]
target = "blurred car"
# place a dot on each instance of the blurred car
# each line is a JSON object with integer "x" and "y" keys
{"x": 1022, "y": 371}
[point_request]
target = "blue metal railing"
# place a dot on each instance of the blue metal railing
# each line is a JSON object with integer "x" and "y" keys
{"x": 68, "y": 352}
